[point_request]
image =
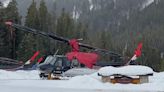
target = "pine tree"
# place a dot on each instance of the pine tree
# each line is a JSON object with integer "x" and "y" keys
{"x": 151, "y": 58}
{"x": 12, "y": 12}
{"x": 45, "y": 25}
{"x": 32, "y": 19}
{"x": 3, "y": 36}
{"x": 27, "y": 47}
{"x": 65, "y": 28}
{"x": 105, "y": 40}
{"x": 81, "y": 31}
{"x": 29, "y": 43}
{"x": 65, "y": 25}
{"x": 13, "y": 35}
{"x": 105, "y": 43}
{"x": 43, "y": 16}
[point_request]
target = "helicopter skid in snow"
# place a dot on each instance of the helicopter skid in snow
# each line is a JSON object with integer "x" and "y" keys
{"x": 68, "y": 74}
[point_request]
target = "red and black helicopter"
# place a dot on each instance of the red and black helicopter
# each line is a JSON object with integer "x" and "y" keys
{"x": 58, "y": 64}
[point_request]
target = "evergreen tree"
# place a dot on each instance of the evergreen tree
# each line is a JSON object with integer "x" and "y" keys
{"x": 82, "y": 31}
{"x": 105, "y": 43}
{"x": 3, "y": 37}
{"x": 43, "y": 16}
{"x": 12, "y": 12}
{"x": 27, "y": 47}
{"x": 32, "y": 19}
{"x": 29, "y": 43}
{"x": 65, "y": 25}
{"x": 105, "y": 40}
{"x": 65, "y": 28}
{"x": 45, "y": 25}
{"x": 151, "y": 57}
{"x": 12, "y": 36}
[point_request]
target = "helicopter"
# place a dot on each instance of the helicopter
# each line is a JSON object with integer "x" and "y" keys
{"x": 60, "y": 65}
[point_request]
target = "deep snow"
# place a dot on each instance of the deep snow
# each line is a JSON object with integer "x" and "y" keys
{"x": 29, "y": 81}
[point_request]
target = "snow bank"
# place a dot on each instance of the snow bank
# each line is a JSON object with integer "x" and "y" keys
{"x": 93, "y": 81}
{"x": 157, "y": 78}
{"x": 130, "y": 70}
{"x": 19, "y": 74}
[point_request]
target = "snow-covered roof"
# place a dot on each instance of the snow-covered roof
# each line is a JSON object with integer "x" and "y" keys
{"x": 130, "y": 70}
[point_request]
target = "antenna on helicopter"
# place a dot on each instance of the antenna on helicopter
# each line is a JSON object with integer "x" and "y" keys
{"x": 56, "y": 52}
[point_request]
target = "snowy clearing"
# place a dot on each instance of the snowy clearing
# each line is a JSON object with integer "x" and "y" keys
{"x": 29, "y": 81}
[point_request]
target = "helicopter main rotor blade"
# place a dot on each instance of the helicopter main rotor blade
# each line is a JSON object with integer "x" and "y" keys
{"x": 103, "y": 51}
{"x": 37, "y": 32}
{"x": 60, "y": 39}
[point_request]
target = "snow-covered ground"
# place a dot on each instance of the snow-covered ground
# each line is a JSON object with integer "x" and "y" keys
{"x": 29, "y": 81}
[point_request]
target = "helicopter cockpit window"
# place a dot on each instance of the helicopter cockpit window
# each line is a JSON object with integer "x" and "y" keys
{"x": 58, "y": 62}
{"x": 53, "y": 60}
{"x": 66, "y": 62}
{"x": 48, "y": 60}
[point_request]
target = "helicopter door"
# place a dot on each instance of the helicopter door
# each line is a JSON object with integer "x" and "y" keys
{"x": 58, "y": 66}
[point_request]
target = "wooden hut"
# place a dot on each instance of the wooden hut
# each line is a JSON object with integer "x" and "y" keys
{"x": 134, "y": 74}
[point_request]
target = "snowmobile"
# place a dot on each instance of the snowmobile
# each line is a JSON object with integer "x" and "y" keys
{"x": 58, "y": 65}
